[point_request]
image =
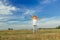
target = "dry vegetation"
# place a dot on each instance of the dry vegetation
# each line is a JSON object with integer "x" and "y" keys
{"x": 43, "y": 34}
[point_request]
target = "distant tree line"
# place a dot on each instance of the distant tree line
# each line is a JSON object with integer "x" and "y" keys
{"x": 10, "y": 28}
{"x": 58, "y": 27}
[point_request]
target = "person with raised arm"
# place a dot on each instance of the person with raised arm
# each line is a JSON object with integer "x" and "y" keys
{"x": 35, "y": 19}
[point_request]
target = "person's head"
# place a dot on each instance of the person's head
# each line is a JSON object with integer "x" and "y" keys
{"x": 34, "y": 17}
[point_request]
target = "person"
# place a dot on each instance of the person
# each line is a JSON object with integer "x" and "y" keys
{"x": 35, "y": 29}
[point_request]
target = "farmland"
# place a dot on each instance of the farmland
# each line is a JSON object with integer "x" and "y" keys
{"x": 42, "y": 34}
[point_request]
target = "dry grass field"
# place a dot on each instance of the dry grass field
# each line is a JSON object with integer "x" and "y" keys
{"x": 43, "y": 34}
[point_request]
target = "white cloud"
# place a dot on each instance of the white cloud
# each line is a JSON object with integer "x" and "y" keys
{"x": 27, "y": 12}
{"x": 48, "y": 1}
{"x": 2, "y": 18}
{"x": 6, "y": 9}
{"x": 49, "y": 22}
{"x": 10, "y": 8}
{"x": 13, "y": 22}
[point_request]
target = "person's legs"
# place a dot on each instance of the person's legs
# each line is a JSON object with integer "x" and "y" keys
{"x": 35, "y": 28}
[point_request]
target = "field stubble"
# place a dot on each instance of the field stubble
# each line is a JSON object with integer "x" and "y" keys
{"x": 42, "y": 34}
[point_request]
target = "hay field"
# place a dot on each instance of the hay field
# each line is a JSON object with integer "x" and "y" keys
{"x": 43, "y": 34}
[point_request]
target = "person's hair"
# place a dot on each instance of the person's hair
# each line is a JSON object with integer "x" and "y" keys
{"x": 35, "y": 17}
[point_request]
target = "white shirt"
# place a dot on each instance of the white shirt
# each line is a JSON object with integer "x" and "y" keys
{"x": 34, "y": 22}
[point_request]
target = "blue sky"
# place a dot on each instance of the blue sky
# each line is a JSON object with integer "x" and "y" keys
{"x": 17, "y": 13}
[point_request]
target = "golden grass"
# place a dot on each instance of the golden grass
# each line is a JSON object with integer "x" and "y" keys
{"x": 43, "y": 34}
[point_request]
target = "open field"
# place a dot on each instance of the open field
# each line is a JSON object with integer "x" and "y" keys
{"x": 43, "y": 34}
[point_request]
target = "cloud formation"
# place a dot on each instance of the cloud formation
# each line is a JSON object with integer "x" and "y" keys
{"x": 51, "y": 22}
{"x": 48, "y": 1}
{"x": 18, "y": 15}
{"x": 5, "y": 10}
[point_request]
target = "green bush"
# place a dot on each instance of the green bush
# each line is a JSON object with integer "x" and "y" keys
{"x": 10, "y": 28}
{"x": 58, "y": 27}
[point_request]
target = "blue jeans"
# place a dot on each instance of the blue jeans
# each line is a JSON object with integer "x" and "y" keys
{"x": 35, "y": 29}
